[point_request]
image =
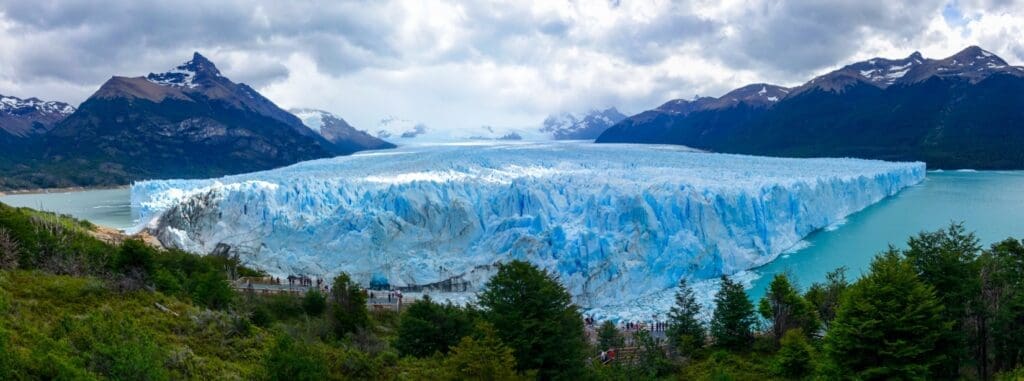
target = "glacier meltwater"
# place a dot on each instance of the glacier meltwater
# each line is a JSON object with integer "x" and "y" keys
{"x": 616, "y": 223}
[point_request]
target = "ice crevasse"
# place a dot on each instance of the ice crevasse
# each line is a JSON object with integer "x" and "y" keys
{"x": 613, "y": 222}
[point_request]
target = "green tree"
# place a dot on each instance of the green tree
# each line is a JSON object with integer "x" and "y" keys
{"x": 825, "y": 296}
{"x": 608, "y": 336}
{"x": 314, "y": 302}
{"x": 348, "y": 306}
{"x": 427, "y": 327}
{"x": 888, "y": 325}
{"x": 1002, "y": 275}
{"x": 732, "y": 325}
{"x": 534, "y": 315}
{"x": 945, "y": 260}
{"x": 783, "y": 306}
{"x": 287, "y": 360}
{"x": 685, "y": 331}
{"x": 483, "y": 357}
{"x": 794, "y": 358}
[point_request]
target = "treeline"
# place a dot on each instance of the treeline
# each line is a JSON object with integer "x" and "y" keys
{"x": 74, "y": 307}
{"x": 942, "y": 309}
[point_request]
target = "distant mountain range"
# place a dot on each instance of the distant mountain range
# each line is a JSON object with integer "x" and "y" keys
{"x": 28, "y": 117}
{"x": 964, "y": 111}
{"x": 588, "y": 126}
{"x": 188, "y": 122}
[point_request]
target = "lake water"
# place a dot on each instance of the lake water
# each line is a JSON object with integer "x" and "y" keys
{"x": 990, "y": 203}
{"x": 107, "y": 207}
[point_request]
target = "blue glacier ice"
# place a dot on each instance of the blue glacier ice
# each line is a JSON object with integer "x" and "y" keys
{"x": 616, "y": 223}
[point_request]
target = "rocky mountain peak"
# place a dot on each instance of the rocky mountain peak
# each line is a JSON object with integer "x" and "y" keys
{"x": 754, "y": 94}
{"x": 973, "y": 55}
{"x": 188, "y": 74}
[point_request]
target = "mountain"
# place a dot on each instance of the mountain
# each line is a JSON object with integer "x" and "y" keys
{"x": 27, "y": 117}
{"x": 964, "y": 111}
{"x": 588, "y": 126}
{"x": 188, "y": 122}
{"x": 336, "y": 130}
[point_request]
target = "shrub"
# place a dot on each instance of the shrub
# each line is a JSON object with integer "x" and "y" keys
{"x": 482, "y": 358}
{"x": 10, "y": 251}
{"x": 212, "y": 290}
{"x": 314, "y": 303}
{"x": 287, "y": 360}
{"x": 427, "y": 327}
{"x": 793, "y": 360}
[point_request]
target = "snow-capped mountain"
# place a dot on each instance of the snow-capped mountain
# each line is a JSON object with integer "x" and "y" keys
{"x": 754, "y": 95}
{"x": 588, "y": 126}
{"x": 29, "y": 117}
{"x": 191, "y": 121}
{"x": 972, "y": 64}
{"x": 963, "y": 111}
{"x": 336, "y": 130}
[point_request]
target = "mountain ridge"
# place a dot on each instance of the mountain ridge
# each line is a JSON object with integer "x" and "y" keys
{"x": 338, "y": 131}
{"x": 188, "y": 122}
{"x": 962, "y": 111}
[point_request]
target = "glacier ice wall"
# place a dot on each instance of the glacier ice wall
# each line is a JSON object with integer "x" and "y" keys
{"x": 614, "y": 222}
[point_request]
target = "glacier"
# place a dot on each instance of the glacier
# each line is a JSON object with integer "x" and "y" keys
{"x": 618, "y": 224}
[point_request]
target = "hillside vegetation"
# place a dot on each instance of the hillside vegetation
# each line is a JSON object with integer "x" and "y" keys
{"x": 75, "y": 307}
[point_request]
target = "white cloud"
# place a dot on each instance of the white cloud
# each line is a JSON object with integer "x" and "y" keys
{"x": 456, "y": 64}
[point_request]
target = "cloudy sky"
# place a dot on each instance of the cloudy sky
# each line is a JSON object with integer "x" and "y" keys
{"x": 462, "y": 64}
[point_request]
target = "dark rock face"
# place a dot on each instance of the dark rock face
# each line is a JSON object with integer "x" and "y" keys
{"x": 965, "y": 111}
{"x": 581, "y": 127}
{"x": 188, "y": 122}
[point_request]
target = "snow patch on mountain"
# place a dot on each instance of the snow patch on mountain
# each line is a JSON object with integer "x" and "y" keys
{"x": 314, "y": 119}
{"x": 10, "y": 104}
{"x": 186, "y": 74}
{"x": 616, "y": 223}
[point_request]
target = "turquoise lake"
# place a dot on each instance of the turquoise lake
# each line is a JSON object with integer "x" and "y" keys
{"x": 107, "y": 207}
{"x": 990, "y": 203}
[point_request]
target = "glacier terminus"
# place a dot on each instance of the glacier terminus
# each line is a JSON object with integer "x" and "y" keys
{"x": 616, "y": 223}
